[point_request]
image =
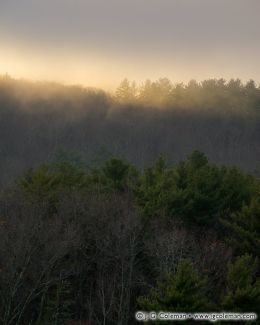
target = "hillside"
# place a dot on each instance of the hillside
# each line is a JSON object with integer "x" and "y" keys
{"x": 39, "y": 120}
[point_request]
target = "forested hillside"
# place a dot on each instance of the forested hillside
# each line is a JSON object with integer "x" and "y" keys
{"x": 145, "y": 199}
{"x": 97, "y": 244}
{"x": 129, "y": 162}
{"x": 137, "y": 123}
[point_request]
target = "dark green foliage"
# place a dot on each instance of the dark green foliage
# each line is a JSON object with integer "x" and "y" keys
{"x": 244, "y": 227}
{"x": 199, "y": 197}
{"x": 114, "y": 175}
{"x": 195, "y": 191}
{"x": 156, "y": 189}
{"x": 180, "y": 292}
{"x": 208, "y": 192}
{"x": 48, "y": 180}
{"x": 40, "y": 184}
{"x": 243, "y": 287}
{"x": 45, "y": 186}
{"x": 237, "y": 188}
{"x": 197, "y": 160}
{"x": 84, "y": 243}
{"x": 69, "y": 175}
{"x": 116, "y": 172}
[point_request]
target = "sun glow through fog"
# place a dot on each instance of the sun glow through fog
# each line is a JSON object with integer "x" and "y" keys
{"x": 68, "y": 68}
{"x": 104, "y": 70}
{"x": 99, "y": 43}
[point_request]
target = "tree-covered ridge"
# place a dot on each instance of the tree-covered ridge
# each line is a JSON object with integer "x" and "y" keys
{"x": 98, "y": 242}
{"x": 138, "y": 123}
{"x": 224, "y": 95}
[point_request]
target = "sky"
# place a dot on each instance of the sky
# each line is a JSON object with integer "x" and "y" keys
{"x": 98, "y": 43}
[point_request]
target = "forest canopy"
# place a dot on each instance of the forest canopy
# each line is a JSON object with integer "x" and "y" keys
{"x": 96, "y": 244}
{"x": 113, "y": 203}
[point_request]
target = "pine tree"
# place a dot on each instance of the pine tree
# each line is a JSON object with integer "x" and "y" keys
{"x": 179, "y": 292}
{"x": 245, "y": 229}
{"x": 243, "y": 294}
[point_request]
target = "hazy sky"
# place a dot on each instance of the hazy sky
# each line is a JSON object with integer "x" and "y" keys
{"x": 99, "y": 42}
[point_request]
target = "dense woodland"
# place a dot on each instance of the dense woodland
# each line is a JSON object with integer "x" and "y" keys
{"x": 137, "y": 123}
{"x": 98, "y": 244}
{"x": 108, "y": 204}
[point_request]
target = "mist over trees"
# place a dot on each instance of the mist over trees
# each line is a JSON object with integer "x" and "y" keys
{"x": 113, "y": 203}
{"x": 137, "y": 123}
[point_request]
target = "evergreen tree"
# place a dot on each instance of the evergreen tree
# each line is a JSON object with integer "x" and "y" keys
{"x": 115, "y": 175}
{"x": 156, "y": 189}
{"x": 39, "y": 184}
{"x": 180, "y": 292}
{"x": 244, "y": 227}
{"x": 243, "y": 293}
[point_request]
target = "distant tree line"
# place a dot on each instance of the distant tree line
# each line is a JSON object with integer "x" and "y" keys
{"x": 96, "y": 243}
{"x": 137, "y": 123}
{"x": 209, "y": 94}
